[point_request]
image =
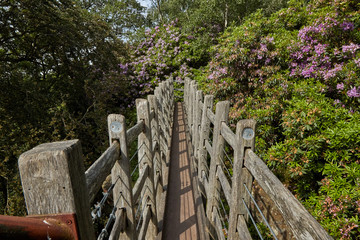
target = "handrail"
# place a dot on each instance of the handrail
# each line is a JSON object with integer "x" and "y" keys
{"x": 54, "y": 179}
{"x": 246, "y": 167}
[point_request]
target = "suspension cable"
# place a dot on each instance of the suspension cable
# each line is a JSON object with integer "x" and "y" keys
{"x": 252, "y": 220}
{"x": 262, "y": 215}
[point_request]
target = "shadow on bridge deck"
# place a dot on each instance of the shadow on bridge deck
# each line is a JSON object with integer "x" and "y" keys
{"x": 180, "y": 218}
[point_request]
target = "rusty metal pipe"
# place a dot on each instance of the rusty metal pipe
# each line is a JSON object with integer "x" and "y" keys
{"x": 33, "y": 228}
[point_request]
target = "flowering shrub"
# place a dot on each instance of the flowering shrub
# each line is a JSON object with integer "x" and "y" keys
{"x": 165, "y": 52}
{"x": 297, "y": 73}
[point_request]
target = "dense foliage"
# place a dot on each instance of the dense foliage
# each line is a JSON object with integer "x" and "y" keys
{"x": 59, "y": 80}
{"x": 294, "y": 67}
{"x": 297, "y": 73}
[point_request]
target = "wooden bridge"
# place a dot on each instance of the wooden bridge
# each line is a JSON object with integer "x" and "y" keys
{"x": 191, "y": 176}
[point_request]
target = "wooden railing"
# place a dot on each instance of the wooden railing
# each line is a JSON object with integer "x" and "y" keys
{"x": 55, "y": 182}
{"x": 213, "y": 142}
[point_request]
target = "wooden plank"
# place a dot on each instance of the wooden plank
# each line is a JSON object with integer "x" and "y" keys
{"x": 204, "y": 134}
{"x": 100, "y": 169}
{"x": 119, "y": 225}
{"x": 152, "y": 114}
{"x": 134, "y": 132}
{"x": 197, "y": 122}
{"x": 228, "y": 135}
{"x": 138, "y": 187}
{"x": 53, "y": 180}
{"x": 206, "y": 185}
{"x": 121, "y": 169}
{"x": 145, "y": 224}
{"x": 224, "y": 183}
{"x": 218, "y": 224}
{"x": 145, "y": 155}
{"x": 240, "y": 176}
{"x": 208, "y": 147}
{"x": 201, "y": 105}
{"x": 221, "y": 115}
{"x": 301, "y": 222}
{"x": 210, "y": 115}
{"x": 242, "y": 229}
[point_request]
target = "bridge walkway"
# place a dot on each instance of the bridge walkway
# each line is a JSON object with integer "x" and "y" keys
{"x": 180, "y": 212}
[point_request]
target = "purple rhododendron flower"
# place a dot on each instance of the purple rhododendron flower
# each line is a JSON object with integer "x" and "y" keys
{"x": 357, "y": 62}
{"x": 347, "y": 26}
{"x": 354, "y": 92}
{"x": 340, "y": 86}
{"x": 350, "y": 48}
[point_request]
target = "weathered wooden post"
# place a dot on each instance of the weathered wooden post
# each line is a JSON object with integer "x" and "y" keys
{"x": 204, "y": 135}
{"x": 158, "y": 173}
{"x": 245, "y": 137}
{"x": 198, "y": 110}
{"x": 121, "y": 171}
{"x": 221, "y": 115}
{"x": 53, "y": 180}
{"x": 145, "y": 156}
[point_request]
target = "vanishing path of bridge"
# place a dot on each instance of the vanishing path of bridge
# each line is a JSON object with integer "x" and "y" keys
{"x": 181, "y": 172}
{"x": 180, "y": 204}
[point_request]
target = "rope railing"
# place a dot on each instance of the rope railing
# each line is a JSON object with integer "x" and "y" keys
{"x": 56, "y": 170}
{"x": 209, "y": 134}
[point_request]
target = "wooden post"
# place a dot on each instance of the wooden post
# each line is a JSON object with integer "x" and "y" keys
{"x": 186, "y": 95}
{"x": 199, "y": 99}
{"x": 221, "y": 115}
{"x": 204, "y": 135}
{"x": 145, "y": 157}
{"x": 121, "y": 170}
{"x": 156, "y": 152}
{"x": 53, "y": 180}
{"x": 245, "y": 138}
{"x": 161, "y": 133}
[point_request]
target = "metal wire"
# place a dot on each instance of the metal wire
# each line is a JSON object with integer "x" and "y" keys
{"x": 262, "y": 215}
{"x": 222, "y": 160}
{"x": 104, "y": 232}
{"x": 223, "y": 207}
{"x": 252, "y": 219}
{"x": 137, "y": 150}
{"x": 221, "y": 220}
{"x": 138, "y": 208}
{"x": 232, "y": 165}
{"x": 137, "y": 165}
{"x": 96, "y": 213}
{"x": 141, "y": 215}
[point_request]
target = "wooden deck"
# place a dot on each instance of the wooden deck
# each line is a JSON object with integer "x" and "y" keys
{"x": 180, "y": 213}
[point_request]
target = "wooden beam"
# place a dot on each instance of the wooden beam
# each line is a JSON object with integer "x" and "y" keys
{"x": 121, "y": 169}
{"x": 224, "y": 183}
{"x": 134, "y": 132}
{"x": 100, "y": 169}
{"x": 53, "y": 180}
{"x": 301, "y": 222}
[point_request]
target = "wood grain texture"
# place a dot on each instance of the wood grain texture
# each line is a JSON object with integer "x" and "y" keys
{"x": 242, "y": 230}
{"x": 145, "y": 157}
{"x": 228, "y": 135}
{"x": 224, "y": 183}
{"x": 145, "y": 225}
{"x": 119, "y": 225}
{"x": 100, "y": 169}
{"x": 239, "y": 177}
{"x": 133, "y": 132}
{"x": 138, "y": 187}
{"x": 302, "y": 224}
{"x": 221, "y": 115}
{"x": 210, "y": 115}
{"x": 204, "y": 135}
{"x": 121, "y": 170}
{"x": 53, "y": 180}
